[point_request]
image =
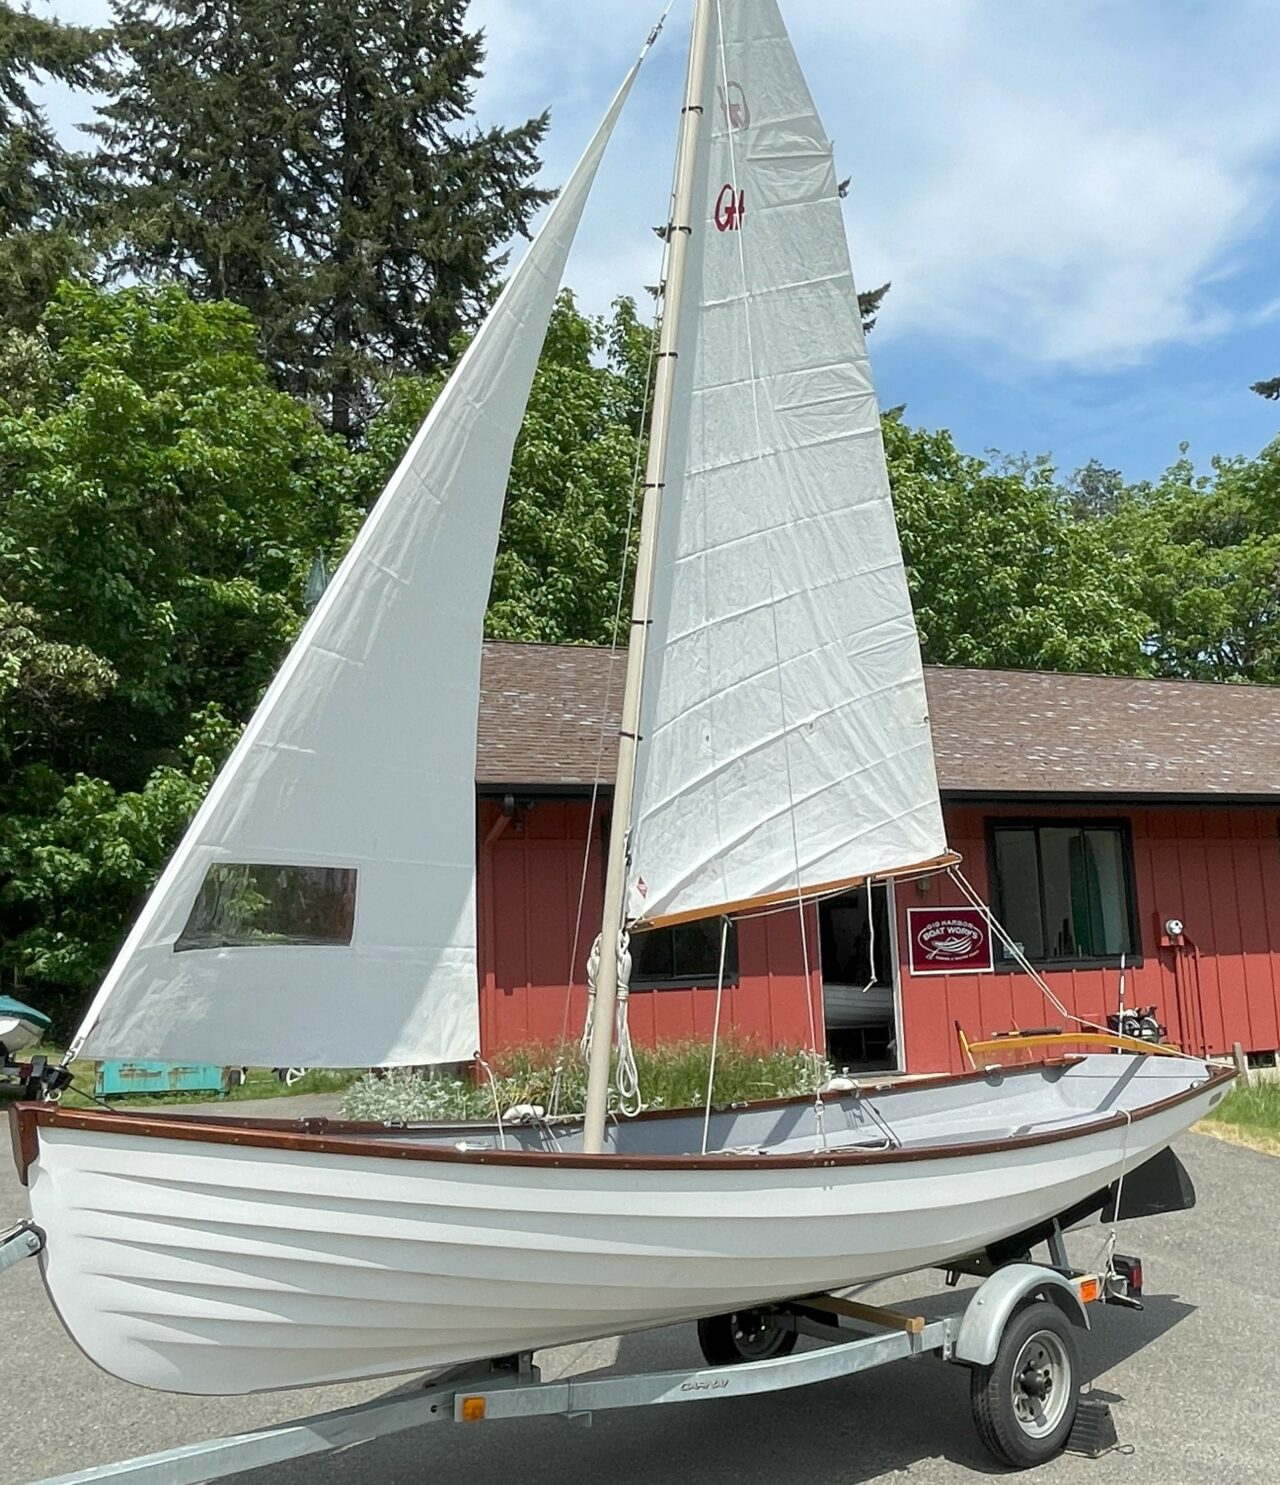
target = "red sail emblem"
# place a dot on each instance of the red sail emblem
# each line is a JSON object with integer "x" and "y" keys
{"x": 731, "y": 207}
{"x": 733, "y": 105}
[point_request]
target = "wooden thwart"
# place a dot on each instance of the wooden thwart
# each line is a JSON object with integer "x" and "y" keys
{"x": 852, "y": 1309}
{"x": 1018, "y": 1041}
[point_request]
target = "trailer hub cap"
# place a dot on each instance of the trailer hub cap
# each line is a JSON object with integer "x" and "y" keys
{"x": 1040, "y": 1384}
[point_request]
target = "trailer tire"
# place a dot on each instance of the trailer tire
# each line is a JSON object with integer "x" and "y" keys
{"x": 745, "y": 1335}
{"x": 1024, "y": 1403}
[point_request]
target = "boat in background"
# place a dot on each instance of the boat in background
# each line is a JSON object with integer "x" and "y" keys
{"x": 21, "y": 1026}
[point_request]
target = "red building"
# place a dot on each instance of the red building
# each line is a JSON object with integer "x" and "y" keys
{"x": 1110, "y": 823}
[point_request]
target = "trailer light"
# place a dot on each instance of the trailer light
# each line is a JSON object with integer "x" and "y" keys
{"x": 1130, "y": 1270}
{"x": 472, "y": 1409}
{"x": 1090, "y": 1289}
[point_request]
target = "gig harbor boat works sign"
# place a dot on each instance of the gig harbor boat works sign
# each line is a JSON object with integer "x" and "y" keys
{"x": 948, "y": 941}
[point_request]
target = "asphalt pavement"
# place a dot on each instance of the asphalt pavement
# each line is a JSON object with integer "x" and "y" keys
{"x": 1194, "y": 1381}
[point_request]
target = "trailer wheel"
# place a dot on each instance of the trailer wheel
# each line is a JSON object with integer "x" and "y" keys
{"x": 746, "y": 1335}
{"x": 1025, "y": 1402}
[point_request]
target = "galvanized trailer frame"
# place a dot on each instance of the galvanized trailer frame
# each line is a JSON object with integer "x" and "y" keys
{"x": 859, "y": 1337}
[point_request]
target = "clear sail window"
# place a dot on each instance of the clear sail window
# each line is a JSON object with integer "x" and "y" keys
{"x": 241, "y": 905}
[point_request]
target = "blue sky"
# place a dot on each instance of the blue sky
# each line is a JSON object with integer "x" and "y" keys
{"x": 1078, "y": 203}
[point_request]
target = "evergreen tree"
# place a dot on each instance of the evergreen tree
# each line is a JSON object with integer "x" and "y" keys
{"x": 311, "y": 160}
{"x": 869, "y": 306}
{"x": 39, "y": 180}
{"x": 1268, "y": 389}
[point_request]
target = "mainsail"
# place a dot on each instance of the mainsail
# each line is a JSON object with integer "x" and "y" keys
{"x": 785, "y": 744}
{"x": 321, "y": 907}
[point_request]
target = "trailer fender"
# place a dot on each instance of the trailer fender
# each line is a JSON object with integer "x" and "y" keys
{"x": 999, "y": 1296}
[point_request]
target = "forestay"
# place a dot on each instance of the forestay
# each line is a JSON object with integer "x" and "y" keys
{"x": 784, "y": 738}
{"x": 321, "y": 908}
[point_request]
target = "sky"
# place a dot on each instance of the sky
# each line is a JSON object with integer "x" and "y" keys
{"x": 1077, "y": 203}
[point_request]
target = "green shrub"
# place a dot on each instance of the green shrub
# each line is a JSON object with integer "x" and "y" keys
{"x": 672, "y": 1076}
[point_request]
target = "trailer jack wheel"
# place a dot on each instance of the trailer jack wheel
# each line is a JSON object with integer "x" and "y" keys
{"x": 746, "y": 1335}
{"x": 1025, "y": 1402}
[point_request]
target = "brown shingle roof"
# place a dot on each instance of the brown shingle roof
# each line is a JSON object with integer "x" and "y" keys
{"x": 540, "y": 711}
{"x": 995, "y": 732}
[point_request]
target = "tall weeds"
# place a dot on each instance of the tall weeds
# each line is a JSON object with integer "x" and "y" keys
{"x": 672, "y": 1076}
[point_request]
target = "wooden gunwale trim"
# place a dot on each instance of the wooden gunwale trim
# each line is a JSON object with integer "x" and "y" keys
{"x": 31, "y": 1117}
{"x": 24, "y": 1136}
{"x": 322, "y": 1124}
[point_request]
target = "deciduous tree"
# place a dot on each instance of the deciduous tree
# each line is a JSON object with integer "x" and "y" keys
{"x": 1205, "y": 551}
{"x": 1000, "y": 573}
{"x": 76, "y": 862}
{"x": 564, "y": 529}
{"x": 160, "y": 504}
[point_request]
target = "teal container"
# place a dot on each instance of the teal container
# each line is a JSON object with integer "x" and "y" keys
{"x": 159, "y": 1077}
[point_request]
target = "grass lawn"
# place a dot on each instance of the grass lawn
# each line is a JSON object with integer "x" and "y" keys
{"x": 260, "y": 1082}
{"x": 1250, "y": 1115}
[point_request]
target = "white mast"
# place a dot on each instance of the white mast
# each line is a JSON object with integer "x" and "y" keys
{"x": 679, "y": 233}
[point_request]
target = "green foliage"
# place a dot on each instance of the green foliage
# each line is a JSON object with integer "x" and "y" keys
{"x": 1270, "y": 389}
{"x": 572, "y": 482}
{"x": 314, "y": 162}
{"x": 870, "y": 302}
{"x": 77, "y": 861}
{"x": 673, "y": 1075}
{"x": 41, "y": 183}
{"x": 159, "y": 505}
{"x": 573, "y": 476}
{"x": 1000, "y": 573}
{"x": 1205, "y": 553}
{"x": 44, "y": 685}
{"x": 1256, "y": 1109}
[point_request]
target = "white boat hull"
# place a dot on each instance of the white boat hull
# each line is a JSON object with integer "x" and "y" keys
{"x": 228, "y": 1268}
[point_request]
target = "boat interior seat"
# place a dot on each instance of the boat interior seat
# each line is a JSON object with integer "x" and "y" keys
{"x": 999, "y": 1129}
{"x": 926, "y": 1134}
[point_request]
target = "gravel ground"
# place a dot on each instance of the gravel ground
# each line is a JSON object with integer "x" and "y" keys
{"x": 1193, "y": 1379}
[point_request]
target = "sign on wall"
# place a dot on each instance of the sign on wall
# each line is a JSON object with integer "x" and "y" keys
{"x": 948, "y": 941}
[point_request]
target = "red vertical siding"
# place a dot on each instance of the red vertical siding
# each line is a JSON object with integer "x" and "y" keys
{"x": 527, "y": 899}
{"x": 527, "y": 905}
{"x": 1216, "y": 869}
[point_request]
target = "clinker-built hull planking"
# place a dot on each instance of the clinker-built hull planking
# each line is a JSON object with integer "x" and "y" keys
{"x": 222, "y": 1257}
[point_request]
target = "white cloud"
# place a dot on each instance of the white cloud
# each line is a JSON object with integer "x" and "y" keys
{"x": 1059, "y": 185}
{"x": 1071, "y": 185}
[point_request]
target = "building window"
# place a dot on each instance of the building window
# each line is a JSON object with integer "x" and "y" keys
{"x": 239, "y": 906}
{"x": 1063, "y": 890}
{"x": 685, "y": 954}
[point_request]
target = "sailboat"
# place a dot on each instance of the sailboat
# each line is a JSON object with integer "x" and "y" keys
{"x": 774, "y": 747}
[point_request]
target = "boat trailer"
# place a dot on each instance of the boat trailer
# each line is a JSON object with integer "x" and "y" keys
{"x": 1017, "y": 1336}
